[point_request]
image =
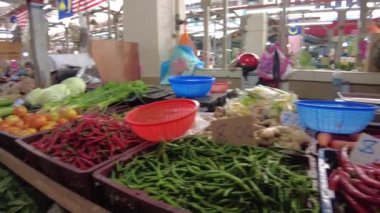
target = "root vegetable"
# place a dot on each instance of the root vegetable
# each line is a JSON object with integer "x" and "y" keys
{"x": 300, "y": 136}
{"x": 269, "y": 132}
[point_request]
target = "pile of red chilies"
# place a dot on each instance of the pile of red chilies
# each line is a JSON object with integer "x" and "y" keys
{"x": 88, "y": 140}
{"x": 360, "y": 185}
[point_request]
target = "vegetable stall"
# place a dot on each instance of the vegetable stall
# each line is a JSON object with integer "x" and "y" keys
{"x": 167, "y": 156}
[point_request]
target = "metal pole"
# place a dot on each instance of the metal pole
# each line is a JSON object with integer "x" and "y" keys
{"x": 67, "y": 40}
{"x": 225, "y": 28}
{"x": 109, "y": 19}
{"x": 39, "y": 46}
{"x": 362, "y": 30}
{"x": 339, "y": 49}
{"x": 206, "y": 38}
{"x": 284, "y": 28}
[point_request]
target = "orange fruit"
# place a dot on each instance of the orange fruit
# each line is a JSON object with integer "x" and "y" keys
{"x": 20, "y": 111}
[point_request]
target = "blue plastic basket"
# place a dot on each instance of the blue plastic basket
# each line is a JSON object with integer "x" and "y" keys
{"x": 191, "y": 86}
{"x": 334, "y": 116}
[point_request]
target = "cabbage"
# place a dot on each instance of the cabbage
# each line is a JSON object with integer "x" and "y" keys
{"x": 54, "y": 93}
{"x": 75, "y": 85}
{"x": 33, "y": 97}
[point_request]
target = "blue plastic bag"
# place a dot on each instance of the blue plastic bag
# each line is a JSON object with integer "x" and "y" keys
{"x": 182, "y": 62}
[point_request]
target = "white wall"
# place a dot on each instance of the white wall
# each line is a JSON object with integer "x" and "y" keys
{"x": 256, "y": 33}
{"x": 152, "y": 25}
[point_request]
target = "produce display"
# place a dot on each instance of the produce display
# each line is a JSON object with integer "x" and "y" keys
{"x": 58, "y": 92}
{"x": 88, "y": 140}
{"x": 265, "y": 105}
{"x": 22, "y": 123}
{"x": 102, "y": 97}
{"x": 196, "y": 174}
{"x": 358, "y": 184}
{"x": 15, "y": 196}
{"x": 192, "y": 173}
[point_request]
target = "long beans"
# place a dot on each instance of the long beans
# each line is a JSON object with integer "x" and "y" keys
{"x": 103, "y": 96}
{"x": 201, "y": 176}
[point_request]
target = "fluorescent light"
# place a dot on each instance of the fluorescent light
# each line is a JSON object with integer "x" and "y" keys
{"x": 293, "y": 24}
{"x": 4, "y": 4}
{"x": 297, "y": 8}
{"x": 6, "y": 35}
{"x": 370, "y": 4}
{"x": 76, "y": 52}
{"x": 25, "y": 54}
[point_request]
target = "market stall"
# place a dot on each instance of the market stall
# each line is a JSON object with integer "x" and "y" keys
{"x": 142, "y": 148}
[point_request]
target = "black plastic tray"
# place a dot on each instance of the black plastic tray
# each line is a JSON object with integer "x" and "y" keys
{"x": 327, "y": 161}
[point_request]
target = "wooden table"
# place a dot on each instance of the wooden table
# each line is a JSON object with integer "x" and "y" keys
{"x": 66, "y": 198}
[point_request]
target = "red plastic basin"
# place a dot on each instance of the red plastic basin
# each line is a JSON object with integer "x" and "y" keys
{"x": 163, "y": 120}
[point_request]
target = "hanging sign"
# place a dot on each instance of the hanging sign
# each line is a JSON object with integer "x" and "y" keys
{"x": 367, "y": 150}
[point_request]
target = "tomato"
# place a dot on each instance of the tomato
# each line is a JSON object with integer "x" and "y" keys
{"x": 19, "y": 124}
{"x": 12, "y": 119}
{"x": 62, "y": 120}
{"x": 14, "y": 130}
{"x": 20, "y": 111}
{"x": 38, "y": 121}
{"x": 4, "y": 126}
{"x": 69, "y": 114}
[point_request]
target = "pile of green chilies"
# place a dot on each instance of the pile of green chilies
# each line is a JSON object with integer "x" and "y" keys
{"x": 15, "y": 196}
{"x": 196, "y": 174}
{"x": 102, "y": 97}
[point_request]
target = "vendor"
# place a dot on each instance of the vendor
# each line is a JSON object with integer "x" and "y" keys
{"x": 25, "y": 81}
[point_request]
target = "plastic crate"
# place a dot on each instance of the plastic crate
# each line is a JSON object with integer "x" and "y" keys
{"x": 120, "y": 198}
{"x": 78, "y": 180}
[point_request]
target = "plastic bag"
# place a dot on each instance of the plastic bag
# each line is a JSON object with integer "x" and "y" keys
{"x": 182, "y": 62}
{"x": 265, "y": 70}
{"x": 185, "y": 40}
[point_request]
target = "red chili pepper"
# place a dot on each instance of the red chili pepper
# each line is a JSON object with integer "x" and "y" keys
{"x": 366, "y": 179}
{"x": 355, "y": 205}
{"x": 345, "y": 161}
{"x": 333, "y": 180}
{"x": 364, "y": 188}
{"x": 88, "y": 140}
{"x": 345, "y": 184}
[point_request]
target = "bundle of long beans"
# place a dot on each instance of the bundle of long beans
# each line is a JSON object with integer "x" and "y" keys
{"x": 102, "y": 97}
